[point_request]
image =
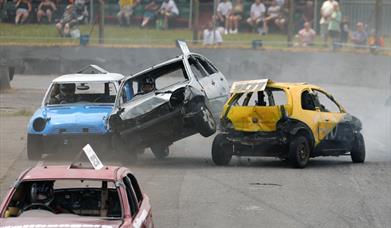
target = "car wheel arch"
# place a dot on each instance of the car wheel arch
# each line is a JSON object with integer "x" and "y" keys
{"x": 297, "y": 127}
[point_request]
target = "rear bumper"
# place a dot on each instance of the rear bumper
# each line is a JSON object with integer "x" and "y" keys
{"x": 270, "y": 144}
{"x": 51, "y": 143}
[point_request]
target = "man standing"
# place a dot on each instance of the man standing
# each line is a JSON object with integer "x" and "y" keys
{"x": 223, "y": 11}
{"x": 326, "y": 11}
{"x": 126, "y": 11}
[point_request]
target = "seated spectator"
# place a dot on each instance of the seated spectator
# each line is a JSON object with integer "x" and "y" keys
{"x": 168, "y": 10}
{"x": 212, "y": 36}
{"x": 68, "y": 20}
{"x": 80, "y": 8}
{"x": 281, "y": 20}
{"x": 23, "y": 9}
{"x": 222, "y": 13}
{"x": 257, "y": 13}
{"x": 307, "y": 35}
{"x": 45, "y": 9}
{"x": 273, "y": 12}
{"x": 235, "y": 16}
{"x": 151, "y": 10}
{"x": 126, "y": 8}
{"x": 360, "y": 36}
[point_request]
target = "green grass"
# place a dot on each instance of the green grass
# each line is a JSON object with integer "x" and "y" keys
{"x": 46, "y": 35}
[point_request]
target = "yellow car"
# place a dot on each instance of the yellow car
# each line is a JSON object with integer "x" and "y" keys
{"x": 292, "y": 121}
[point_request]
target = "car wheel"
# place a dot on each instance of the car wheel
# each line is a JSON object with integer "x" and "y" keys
{"x": 160, "y": 152}
{"x": 358, "y": 150}
{"x": 299, "y": 151}
{"x": 221, "y": 150}
{"x": 204, "y": 121}
{"x": 34, "y": 147}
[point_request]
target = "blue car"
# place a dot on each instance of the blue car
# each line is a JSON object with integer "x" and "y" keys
{"x": 74, "y": 112}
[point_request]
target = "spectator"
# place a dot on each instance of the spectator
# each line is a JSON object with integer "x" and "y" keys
{"x": 273, "y": 12}
{"x": 80, "y": 8}
{"x": 308, "y": 12}
{"x": 126, "y": 8}
{"x": 23, "y": 9}
{"x": 168, "y": 10}
{"x": 212, "y": 36}
{"x": 360, "y": 36}
{"x": 335, "y": 24}
{"x": 46, "y": 9}
{"x": 307, "y": 35}
{"x": 151, "y": 9}
{"x": 281, "y": 20}
{"x": 68, "y": 20}
{"x": 257, "y": 13}
{"x": 223, "y": 12}
{"x": 235, "y": 17}
{"x": 344, "y": 30}
{"x": 325, "y": 11}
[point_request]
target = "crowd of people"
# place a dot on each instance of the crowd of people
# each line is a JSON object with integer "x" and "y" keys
{"x": 229, "y": 17}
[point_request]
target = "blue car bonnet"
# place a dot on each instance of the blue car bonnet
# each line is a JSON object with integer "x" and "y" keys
{"x": 83, "y": 118}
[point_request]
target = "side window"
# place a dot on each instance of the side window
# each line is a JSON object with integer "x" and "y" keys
{"x": 207, "y": 66}
{"x": 133, "y": 204}
{"x": 136, "y": 188}
{"x": 326, "y": 103}
{"x": 307, "y": 101}
{"x": 127, "y": 91}
{"x": 196, "y": 68}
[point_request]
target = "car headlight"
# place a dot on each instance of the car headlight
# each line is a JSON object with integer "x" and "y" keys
{"x": 39, "y": 124}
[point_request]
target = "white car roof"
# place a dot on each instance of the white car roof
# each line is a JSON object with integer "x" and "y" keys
{"x": 109, "y": 77}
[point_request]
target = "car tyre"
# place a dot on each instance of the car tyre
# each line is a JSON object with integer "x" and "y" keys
{"x": 160, "y": 152}
{"x": 299, "y": 151}
{"x": 204, "y": 121}
{"x": 34, "y": 147}
{"x": 221, "y": 150}
{"x": 358, "y": 150}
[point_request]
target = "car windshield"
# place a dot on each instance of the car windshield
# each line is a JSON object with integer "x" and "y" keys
{"x": 81, "y": 92}
{"x": 66, "y": 197}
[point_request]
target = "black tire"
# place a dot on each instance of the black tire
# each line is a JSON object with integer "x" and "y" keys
{"x": 299, "y": 151}
{"x": 221, "y": 150}
{"x": 34, "y": 147}
{"x": 204, "y": 121}
{"x": 160, "y": 152}
{"x": 358, "y": 150}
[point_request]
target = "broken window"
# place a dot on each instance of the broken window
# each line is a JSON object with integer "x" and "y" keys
{"x": 326, "y": 103}
{"x": 307, "y": 101}
{"x": 268, "y": 97}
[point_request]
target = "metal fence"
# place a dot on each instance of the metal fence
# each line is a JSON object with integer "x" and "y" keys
{"x": 364, "y": 11}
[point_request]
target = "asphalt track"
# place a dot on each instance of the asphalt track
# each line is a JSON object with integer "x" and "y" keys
{"x": 187, "y": 190}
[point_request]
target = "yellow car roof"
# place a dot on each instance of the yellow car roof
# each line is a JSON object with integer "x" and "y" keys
{"x": 260, "y": 85}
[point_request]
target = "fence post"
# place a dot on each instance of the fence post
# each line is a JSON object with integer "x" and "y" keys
{"x": 101, "y": 21}
{"x": 290, "y": 22}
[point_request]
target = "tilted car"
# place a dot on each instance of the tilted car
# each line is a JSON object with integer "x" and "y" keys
{"x": 293, "y": 121}
{"x": 74, "y": 112}
{"x": 169, "y": 101}
{"x": 62, "y": 196}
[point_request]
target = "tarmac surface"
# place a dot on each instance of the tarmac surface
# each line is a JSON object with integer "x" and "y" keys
{"x": 188, "y": 190}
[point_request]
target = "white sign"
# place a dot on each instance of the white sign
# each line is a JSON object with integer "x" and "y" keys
{"x": 183, "y": 46}
{"x": 91, "y": 155}
{"x": 249, "y": 86}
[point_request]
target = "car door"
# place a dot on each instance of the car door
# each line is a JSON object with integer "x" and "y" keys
{"x": 211, "y": 80}
{"x": 336, "y": 130}
{"x": 138, "y": 203}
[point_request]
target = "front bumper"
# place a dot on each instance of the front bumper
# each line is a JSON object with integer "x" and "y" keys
{"x": 74, "y": 142}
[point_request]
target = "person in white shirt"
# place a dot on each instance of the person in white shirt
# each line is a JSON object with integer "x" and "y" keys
{"x": 222, "y": 13}
{"x": 326, "y": 11}
{"x": 273, "y": 12}
{"x": 257, "y": 13}
{"x": 168, "y": 10}
{"x": 212, "y": 36}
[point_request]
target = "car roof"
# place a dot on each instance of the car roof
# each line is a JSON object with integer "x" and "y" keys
{"x": 43, "y": 172}
{"x": 136, "y": 75}
{"x": 259, "y": 85}
{"x": 107, "y": 77}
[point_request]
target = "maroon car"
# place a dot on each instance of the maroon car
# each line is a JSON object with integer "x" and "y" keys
{"x": 68, "y": 196}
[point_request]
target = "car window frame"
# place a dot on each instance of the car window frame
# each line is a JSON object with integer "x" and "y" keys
{"x": 126, "y": 179}
{"x": 331, "y": 98}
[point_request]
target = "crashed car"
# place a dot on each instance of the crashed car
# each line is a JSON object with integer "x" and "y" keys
{"x": 74, "y": 112}
{"x": 292, "y": 121}
{"x": 71, "y": 196}
{"x": 169, "y": 101}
